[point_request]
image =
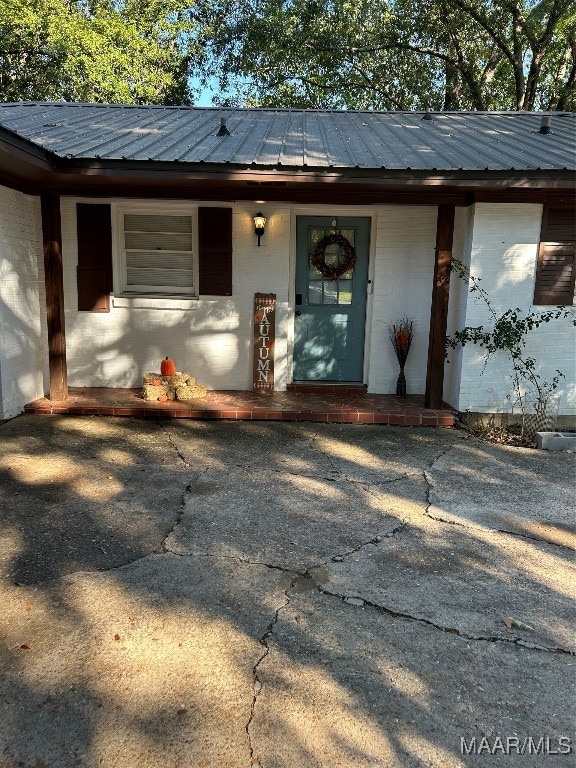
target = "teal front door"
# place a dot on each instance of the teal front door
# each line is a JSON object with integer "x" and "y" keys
{"x": 330, "y": 313}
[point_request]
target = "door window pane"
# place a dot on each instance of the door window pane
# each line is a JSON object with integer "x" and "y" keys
{"x": 315, "y": 292}
{"x": 323, "y": 290}
{"x": 330, "y": 292}
{"x": 344, "y": 291}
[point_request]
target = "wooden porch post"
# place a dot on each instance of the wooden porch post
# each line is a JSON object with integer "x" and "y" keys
{"x": 53, "y": 279}
{"x": 439, "y": 310}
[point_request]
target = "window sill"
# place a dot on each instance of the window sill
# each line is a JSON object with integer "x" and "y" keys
{"x": 155, "y": 301}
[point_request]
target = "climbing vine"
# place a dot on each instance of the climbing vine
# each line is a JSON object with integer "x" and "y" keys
{"x": 509, "y": 334}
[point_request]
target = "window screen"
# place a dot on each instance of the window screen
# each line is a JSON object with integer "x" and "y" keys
{"x": 158, "y": 253}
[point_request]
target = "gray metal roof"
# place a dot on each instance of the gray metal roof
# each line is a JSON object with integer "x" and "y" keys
{"x": 291, "y": 138}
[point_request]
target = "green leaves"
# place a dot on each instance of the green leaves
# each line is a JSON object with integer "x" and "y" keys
{"x": 509, "y": 335}
{"x": 356, "y": 54}
{"x": 404, "y": 54}
{"x": 97, "y": 50}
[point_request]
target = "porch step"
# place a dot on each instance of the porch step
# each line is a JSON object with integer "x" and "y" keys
{"x": 338, "y": 407}
{"x": 327, "y": 387}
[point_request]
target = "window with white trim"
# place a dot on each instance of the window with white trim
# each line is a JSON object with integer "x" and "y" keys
{"x": 157, "y": 253}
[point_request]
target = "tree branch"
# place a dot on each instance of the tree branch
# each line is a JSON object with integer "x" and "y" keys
{"x": 461, "y": 66}
{"x": 539, "y": 48}
{"x": 492, "y": 62}
{"x": 487, "y": 27}
{"x": 377, "y": 89}
{"x": 567, "y": 90}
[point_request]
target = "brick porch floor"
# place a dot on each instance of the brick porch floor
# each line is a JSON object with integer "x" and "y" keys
{"x": 352, "y": 406}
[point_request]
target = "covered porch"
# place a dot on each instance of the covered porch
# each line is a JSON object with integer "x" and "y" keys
{"x": 327, "y": 404}
{"x": 102, "y": 322}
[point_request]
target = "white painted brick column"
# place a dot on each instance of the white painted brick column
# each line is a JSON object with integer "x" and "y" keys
{"x": 23, "y": 360}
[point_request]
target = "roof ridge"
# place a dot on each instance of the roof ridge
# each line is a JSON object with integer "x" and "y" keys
{"x": 231, "y": 110}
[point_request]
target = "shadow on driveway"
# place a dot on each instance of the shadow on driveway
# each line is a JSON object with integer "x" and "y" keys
{"x": 282, "y": 595}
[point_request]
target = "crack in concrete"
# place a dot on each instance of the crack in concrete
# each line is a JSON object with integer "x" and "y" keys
{"x": 173, "y": 444}
{"x": 256, "y": 682}
{"x": 246, "y": 561}
{"x": 534, "y": 538}
{"x": 365, "y": 484}
{"x": 375, "y": 540}
{"x": 403, "y": 476}
{"x": 430, "y": 486}
{"x": 281, "y": 568}
{"x": 187, "y": 491}
{"x": 180, "y": 514}
{"x": 339, "y": 476}
{"x": 288, "y": 472}
{"x": 451, "y": 630}
{"x": 326, "y": 455}
{"x": 501, "y": 530}
{"x": 443, "y": 520}
{"x": 443, "y": 452}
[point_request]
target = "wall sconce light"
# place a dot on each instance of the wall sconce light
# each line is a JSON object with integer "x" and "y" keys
{"x": 259, "y": 225}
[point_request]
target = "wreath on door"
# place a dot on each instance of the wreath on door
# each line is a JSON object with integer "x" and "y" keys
{"x": 347, "y": 254}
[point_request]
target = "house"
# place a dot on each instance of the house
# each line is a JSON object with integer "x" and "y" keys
{"x": 127, "y": 234}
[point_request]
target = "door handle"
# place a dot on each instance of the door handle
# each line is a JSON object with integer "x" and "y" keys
{"x": 298, "y": 313}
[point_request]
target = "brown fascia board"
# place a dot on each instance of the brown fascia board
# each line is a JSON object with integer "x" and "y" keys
{"x": 310, "y": 186}
{"x": 31, "y": 169}
{"x": 170, "y": 172}
{"x": 23, "y": 164}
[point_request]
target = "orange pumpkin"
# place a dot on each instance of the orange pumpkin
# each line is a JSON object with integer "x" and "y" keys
{"x": 167, "y": 367}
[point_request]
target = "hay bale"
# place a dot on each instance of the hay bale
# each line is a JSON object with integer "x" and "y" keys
{"x": 180, "y": 386}
{"x": 190, "y": 392}
{"x": 151, "y": 378}
{"x": 151, "y": 392}
{"x": 180, "y": 379}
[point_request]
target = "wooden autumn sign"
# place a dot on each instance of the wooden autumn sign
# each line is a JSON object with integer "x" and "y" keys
{"x": 264, "y": 337}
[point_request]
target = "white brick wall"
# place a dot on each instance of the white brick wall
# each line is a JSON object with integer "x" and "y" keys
{"x": 212, "y": 340}
{"x": 503, "y": 254}
{"x": 403, "y": 272}
{"x": 22, "y": 302}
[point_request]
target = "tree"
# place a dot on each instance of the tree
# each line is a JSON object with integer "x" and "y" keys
{"x": 126, "y": 51}
{"x": 401, "y": 54}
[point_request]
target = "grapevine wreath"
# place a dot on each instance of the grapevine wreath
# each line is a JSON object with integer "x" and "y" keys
{"x": 333, "y": 271}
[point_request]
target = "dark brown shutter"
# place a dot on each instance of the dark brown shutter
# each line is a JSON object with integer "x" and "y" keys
{"x": 559, "y": 225}
{"x": 215, "y": 251}
{"x": 94, "y": 275}
{"x": 556, "y": 269}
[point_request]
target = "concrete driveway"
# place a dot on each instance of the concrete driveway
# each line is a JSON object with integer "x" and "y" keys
{"x": 199, "y": 594}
